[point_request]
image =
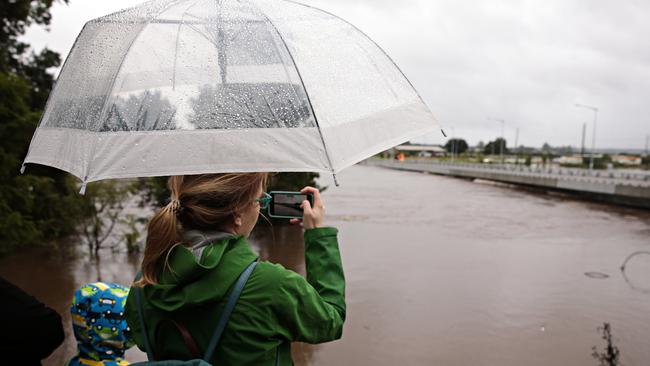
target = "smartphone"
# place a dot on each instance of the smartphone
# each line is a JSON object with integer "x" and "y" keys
{"x": 287, "y": 204}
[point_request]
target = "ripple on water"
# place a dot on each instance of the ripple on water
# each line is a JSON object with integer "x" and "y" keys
{"x": 597, "y": 275}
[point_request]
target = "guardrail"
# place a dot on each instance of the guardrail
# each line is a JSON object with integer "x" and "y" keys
{"x": 540, "y": 169}
{"x": 629, "y": 188}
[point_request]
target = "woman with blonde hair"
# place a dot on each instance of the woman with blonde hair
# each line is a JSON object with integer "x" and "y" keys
{"x": 196, "y": 251}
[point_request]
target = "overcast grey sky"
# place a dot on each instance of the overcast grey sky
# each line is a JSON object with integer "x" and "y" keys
{"x": 527, "y": 62}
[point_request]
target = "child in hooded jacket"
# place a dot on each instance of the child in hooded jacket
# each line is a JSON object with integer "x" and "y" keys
{"x": 102, "y": 333}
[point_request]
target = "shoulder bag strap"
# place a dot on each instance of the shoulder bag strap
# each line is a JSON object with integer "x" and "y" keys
{"x": 187, "y": 337}
{"x": 230, "y": 305}
{"x": 188, "y": 340}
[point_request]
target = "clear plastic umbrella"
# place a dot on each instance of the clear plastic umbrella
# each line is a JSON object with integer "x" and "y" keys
{"x": 205, "y": 86}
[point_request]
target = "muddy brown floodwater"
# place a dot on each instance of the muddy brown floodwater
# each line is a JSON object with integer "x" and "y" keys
{"x": 442, "y": 271}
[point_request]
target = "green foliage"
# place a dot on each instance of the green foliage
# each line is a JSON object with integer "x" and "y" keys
{"x": 17, "y": 16}
{"x": 35, "y": 70}
{"x": 42, "y": 205}
{"x": 602, "y": 162}
{"x": 16, "y": 57}
{"x": 456, "y": 146}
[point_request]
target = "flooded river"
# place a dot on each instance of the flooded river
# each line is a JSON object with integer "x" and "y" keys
{"x": 443, "y": 271}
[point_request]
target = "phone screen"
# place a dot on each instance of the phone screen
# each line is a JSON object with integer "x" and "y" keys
{"x": 287, "y": 204}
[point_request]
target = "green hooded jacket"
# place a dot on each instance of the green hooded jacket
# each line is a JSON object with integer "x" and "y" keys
{"x": 277, "y": 306}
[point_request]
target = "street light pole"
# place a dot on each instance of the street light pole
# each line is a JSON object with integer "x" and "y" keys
{"x": 582, "y": 147}
{"x": 453, "y": 143}
{"x": 593, "y": 136}
{"x": 647, "y": 142}
{"x": 516, "y": 146}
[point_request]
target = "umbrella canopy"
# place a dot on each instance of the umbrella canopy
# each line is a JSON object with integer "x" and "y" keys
{"x": 205, "y": 86}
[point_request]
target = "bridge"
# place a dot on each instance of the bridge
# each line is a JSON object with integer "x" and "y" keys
{"x": 630, "y": 188}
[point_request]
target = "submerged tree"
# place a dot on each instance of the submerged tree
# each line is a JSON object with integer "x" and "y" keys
{"x": 105, "y": 211}
{"x": 610, "y": 355}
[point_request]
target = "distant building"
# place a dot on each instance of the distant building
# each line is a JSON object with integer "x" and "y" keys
{"x": 568, "y": 160}
{"x": 423, "y": 150}
{"x": 630, "y": 160}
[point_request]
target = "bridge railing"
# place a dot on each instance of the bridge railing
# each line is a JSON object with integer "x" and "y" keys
{"x": 567, "y": 173}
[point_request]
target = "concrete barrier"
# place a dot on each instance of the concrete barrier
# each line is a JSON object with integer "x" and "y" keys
{"x": 614, "y": 187}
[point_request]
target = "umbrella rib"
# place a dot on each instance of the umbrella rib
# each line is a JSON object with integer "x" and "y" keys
{"x": 311, "y": 107}
{"x": 178, "y": 37}
{"x": 192, "y": 27}
{"x": 199, "y": 21}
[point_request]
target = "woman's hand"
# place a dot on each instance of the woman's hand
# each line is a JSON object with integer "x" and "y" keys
{"x": 312, "y": 217}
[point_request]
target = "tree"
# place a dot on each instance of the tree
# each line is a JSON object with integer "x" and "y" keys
{"x": 456, "y": 146}
{"x": 16, "y": 56}
{"x": 17, "y": 16}
{"x": 495, "y": 147}
{"x": 41, "y": 206}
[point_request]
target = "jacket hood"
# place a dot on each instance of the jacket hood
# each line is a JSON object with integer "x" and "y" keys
{"x": 202, "y": 272}
{"x": 98, "y": 323}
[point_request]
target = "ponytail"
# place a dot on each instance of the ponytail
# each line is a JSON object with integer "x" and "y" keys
{"x": 162, "y": 234}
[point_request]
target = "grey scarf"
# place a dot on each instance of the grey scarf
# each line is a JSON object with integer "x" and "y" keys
{"x": 199, "y": 240}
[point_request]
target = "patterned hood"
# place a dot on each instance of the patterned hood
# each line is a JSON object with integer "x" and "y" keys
{"x": 99, "y": 326}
